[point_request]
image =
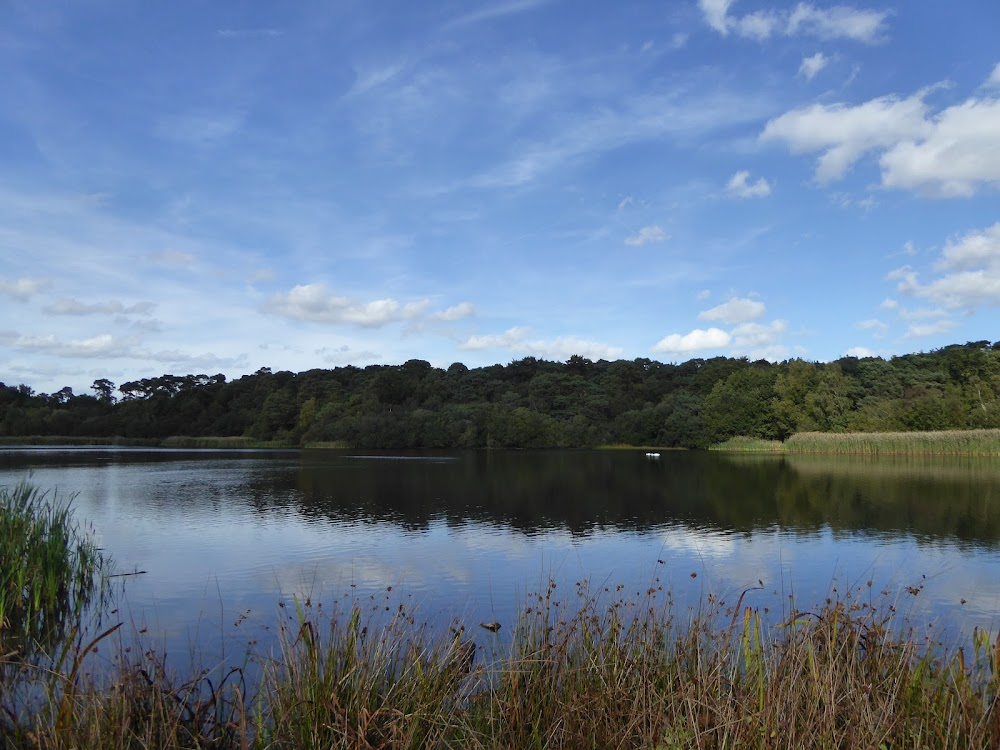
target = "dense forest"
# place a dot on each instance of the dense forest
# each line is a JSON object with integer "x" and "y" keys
{"x": 533, "y": 403}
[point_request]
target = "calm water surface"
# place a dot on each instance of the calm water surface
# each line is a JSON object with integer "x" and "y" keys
{"x": 225, "y": 536}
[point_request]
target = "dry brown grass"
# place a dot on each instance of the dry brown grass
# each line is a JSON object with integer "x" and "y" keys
{"x": 591, "y": 669}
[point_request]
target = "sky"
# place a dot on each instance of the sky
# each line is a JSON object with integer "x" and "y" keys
{"x": 214, "y": 187}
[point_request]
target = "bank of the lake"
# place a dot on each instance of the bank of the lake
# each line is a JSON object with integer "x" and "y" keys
{"x": 939, "y": 443}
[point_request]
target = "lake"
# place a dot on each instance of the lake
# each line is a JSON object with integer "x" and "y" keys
{"x": 225, "y": 537}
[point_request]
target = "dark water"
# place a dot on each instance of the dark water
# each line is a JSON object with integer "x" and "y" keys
{"x": 225, "y": 536}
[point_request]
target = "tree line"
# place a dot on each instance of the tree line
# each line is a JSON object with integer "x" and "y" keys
{"x": 533, "y": 403}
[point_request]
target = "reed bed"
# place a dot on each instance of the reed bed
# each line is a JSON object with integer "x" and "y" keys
{"x": 588, "y": 669}
{"x": 940, "y": 443}
{"x": 742, "y": 444}
{"x": 945, "y": 442}
{"x": 49, "y": 565}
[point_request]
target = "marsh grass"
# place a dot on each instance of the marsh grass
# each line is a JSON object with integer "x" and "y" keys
{"x": 608, "y": 668}
{"x": 49, "y": 570}
{"x": 741, "y": 444}
{"x": 945, "y": 442}
{"x": 941, "y": 443}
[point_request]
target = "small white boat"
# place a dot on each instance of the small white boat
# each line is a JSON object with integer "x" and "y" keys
{"x": 652, "y": 455}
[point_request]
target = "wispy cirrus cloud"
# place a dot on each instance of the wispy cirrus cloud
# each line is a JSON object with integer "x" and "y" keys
{"x": 250, "y": 33}
{"x": 635, "y": 119}
{"x": 68, "y": 306}
{"x": 104, "y": 345}
{"x": 838, "y": 22}
{"x": 107, "y": 346}
{"x": 496, "y": 10}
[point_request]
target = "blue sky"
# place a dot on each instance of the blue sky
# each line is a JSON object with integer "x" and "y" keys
{"x": 204, "y": 187}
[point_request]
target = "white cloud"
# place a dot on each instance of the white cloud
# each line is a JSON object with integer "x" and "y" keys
{"x": 948, "y": 154}
{"x": 970, "y": 267}
{"x": 456, "y": 312}
{"x": 698, "y": 339}
{"x": 716, "y": 14}
{"x": 994, "y": 80}
{"x": 838, "y": 22}
{"x": 564, "y": 347}
{"x": 509, "y": 338}
{"x": 759, "y": 25}
{"x": 314, "y": 302}
{"x": 22, "y": 289}
{"x": 112, "y": 307}
{"x": 107, "y": 346}
{"x": 740, "y": 186}
{"x": 704, "y": 294}
{"x": 924, "y": 313}
{"x": 736, "y": 310}
{"x": 559, "y": 348}
{"x": 861, "y": 352}
{"x": 646, "y": 235}
{"x": 921, "y": 330}
{"x": 959, "y": 150}
{"x": 975, "y": 249}
{"x": 344, "y": 355}
{"x": 104, "y": 345}
{"x": 966, "y": 289}
{"x": 845, "y": 133}
{"x": 888, "y": 304}
{"x": 811, "y": 66}
{"x": 877, "y": 327}
{"x": 758, "y": 336}
{"x": 176, "y": 358}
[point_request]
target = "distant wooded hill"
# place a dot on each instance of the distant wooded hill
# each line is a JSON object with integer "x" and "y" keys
{"x": 533, "y": 403}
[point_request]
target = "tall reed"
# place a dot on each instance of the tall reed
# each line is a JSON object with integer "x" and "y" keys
{"x": 49, "y": 565}
{"x": 940, "y": 443}
{"x": 944, "y": 442}
{"x": 583, "y": 669}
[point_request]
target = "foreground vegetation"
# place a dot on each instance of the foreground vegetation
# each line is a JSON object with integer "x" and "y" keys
{"x": 529, "y": 403}
{"x": 592, "y": 670}
{"x": 941, "y": 443}
{"x": 49, "y": 567}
